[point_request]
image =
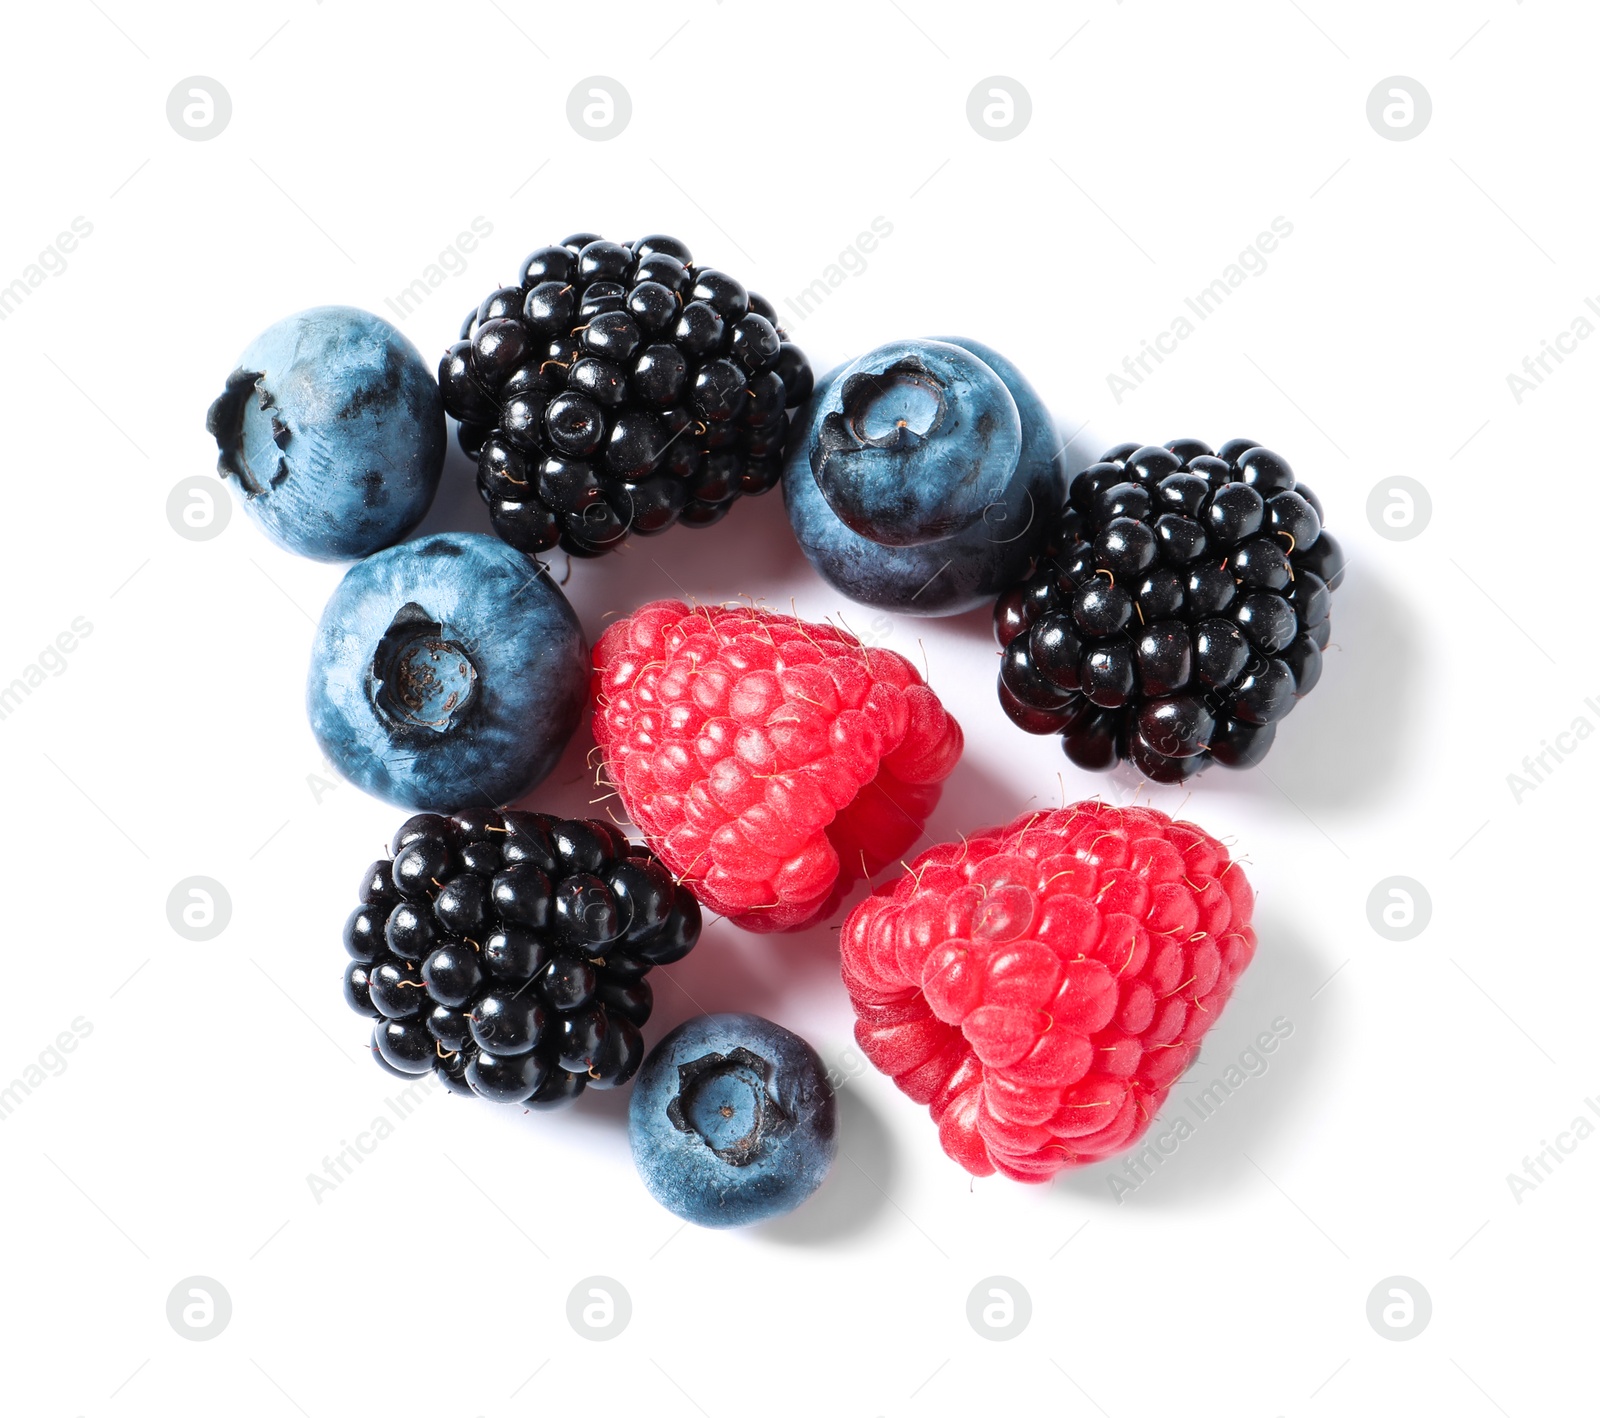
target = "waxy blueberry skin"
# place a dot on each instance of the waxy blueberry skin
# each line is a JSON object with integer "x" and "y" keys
{"x": 923, "y": 477}
{"x": 447, "y": 673}
{"x": 331, "y": 432}
{"x": 732, "y": 1120}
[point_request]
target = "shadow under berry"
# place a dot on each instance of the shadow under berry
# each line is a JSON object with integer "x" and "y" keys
{"x": 1347, "y": 742}
{"x": 1261, "y": 1112}
{"x": 750, "y": 553}
{"x": 856, "y": 1194}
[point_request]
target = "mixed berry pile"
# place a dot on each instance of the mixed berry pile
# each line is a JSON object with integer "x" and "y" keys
{"x": 619, "y": 389}
{"x": 1039, "y": 987}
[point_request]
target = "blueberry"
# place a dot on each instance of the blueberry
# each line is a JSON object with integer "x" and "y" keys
{"x": 332, "y": 430}
{"x": 924, "y": 478}
{"x": 732, "y": 1121}
{"x": 447, "y": 672}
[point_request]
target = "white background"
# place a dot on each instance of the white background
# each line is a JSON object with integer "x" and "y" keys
{"x": 1163, "y": 138}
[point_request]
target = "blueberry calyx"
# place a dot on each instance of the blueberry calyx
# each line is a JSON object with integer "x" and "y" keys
{"x": 897, "y": 410}
{"x": 915, "y": 442}
{"x": 726, "y": 1100}
{"x": 420, "y": 680}
{"x": 225, "y": 423}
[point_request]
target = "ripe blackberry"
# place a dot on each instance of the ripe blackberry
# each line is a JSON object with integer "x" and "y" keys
{"x": 1179, "y": 612}
{"x": 620, "y": 389}
{"x": 507, "y": 952}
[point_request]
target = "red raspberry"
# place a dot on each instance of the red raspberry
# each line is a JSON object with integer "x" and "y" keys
{"x": 1042, "y": 986}
{"x": 769, "y": 762}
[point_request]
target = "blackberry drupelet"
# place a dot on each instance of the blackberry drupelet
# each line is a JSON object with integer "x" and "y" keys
{"x": 507, "y": 952}
{"x": 617, "y": 389}
{"x": 1179, "y": 612}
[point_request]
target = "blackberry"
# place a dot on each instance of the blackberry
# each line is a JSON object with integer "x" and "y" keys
{"x": 507, "y": 952}
{"x": 1179, "y": 612}
{"x": 617, "y": 389}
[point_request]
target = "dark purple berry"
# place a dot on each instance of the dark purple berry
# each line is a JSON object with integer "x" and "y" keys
{"x": 1180, "y": 610}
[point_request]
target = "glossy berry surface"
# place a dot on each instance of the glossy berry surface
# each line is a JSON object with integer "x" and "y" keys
{"x": 620, "y": 389}
{"x": 1179, "y": 611}
{"x": 732, "y": 1120}
{"x": 1042, "y": 986}
{"x": 499, "y": 994}
{"x": 923, "y": 479}
{"x": 331, "y": 432}
{"x": 771, "y": 762}
{"x": 447, "y": 672}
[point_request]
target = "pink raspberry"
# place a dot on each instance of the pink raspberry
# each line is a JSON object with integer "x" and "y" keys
{"x": 769, "y": 762}
{"x": 1042, "y": 986}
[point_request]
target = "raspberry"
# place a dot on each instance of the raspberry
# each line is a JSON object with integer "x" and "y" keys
{"x": 770, "y": 762}
{"x": 1042, "y": 986}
